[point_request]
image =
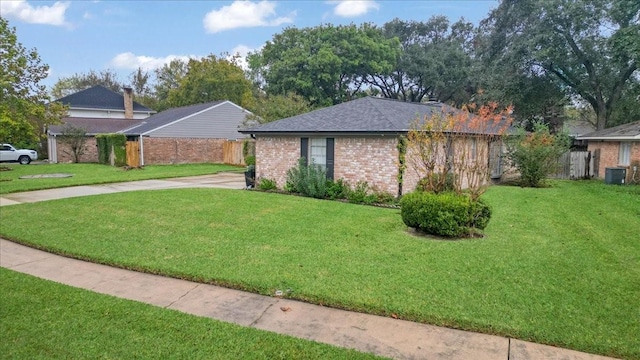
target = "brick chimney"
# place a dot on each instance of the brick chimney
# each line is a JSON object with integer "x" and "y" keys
{"x": 128, "y": 103}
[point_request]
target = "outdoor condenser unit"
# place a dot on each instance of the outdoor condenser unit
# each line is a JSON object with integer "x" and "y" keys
{"x": 615, "y": 175}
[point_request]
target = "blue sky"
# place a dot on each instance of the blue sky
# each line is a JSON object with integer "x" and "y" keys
{"x": 77, "y": 36}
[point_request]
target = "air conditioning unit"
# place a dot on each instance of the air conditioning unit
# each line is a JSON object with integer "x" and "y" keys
{"x": 615, "y": 176}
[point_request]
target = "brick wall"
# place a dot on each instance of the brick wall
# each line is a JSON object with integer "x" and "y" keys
{"x": 65, "y": 155}
{"x": 370, "y": 159}
{"x": 182, "y": 150}
{"x": 609, "y": 155}
{"x": 276, "y": 155}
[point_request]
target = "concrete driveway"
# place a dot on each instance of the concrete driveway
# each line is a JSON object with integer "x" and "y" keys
{"x": 220, "y": 180}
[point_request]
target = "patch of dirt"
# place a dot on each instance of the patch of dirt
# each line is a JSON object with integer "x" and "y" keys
{"x": 5, "y": 168}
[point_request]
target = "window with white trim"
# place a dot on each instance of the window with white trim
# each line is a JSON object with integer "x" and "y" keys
{"x": 318, "y": 151}
{"x": 624, "y": 157}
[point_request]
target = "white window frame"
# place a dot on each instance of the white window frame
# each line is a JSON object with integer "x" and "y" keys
{"x": 318, "y": 151}
{"x": 624, "y": 153}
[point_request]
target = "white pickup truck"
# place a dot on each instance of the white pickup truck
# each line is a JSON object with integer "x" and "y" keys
{"x": 23, "y": 156}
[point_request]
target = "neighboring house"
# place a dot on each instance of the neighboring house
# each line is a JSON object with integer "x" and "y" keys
{"x": 97, "y": 110}
{"x": 100, "y": 102}
{"x": 189, "y": 134}
{"x": 355, "y": 141}
{"x": 616, "y": 147}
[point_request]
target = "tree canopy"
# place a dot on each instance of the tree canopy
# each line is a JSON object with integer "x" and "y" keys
{"x": 590, "y": 47}
{"x": 324, "y": 64}
{"x": 210, "y": 79}
{"x": 23, "y": 110}
{"x": 81, "y": 81}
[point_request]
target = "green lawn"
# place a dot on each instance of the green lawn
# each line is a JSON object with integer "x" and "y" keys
{"x": 87, "y": 174}
{"x": 559, "y": 265}
{"x": 40, "y": 319}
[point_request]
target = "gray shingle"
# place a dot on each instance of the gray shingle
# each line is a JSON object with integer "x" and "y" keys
{"x": 95, "y": 126}
{"x": 365, "y": 115}
{"x": 630, "y": 130}
{"x": 99, "y": 97}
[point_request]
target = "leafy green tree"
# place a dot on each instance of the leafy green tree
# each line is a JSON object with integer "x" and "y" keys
{"x": 435, "y": 62}
{"x": 23, "y": 113}
{"x": 168, "y": 78}
{"x": 589, "y": 46}
{"x": 210, "y": 79}
{"x": 81, "y": 81}
{"x": 535, "y": 155}
{"x": 275, "y": 107}
{"x": 324, "y": 64}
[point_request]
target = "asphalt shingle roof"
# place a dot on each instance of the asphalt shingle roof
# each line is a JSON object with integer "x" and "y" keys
{"x": 625, "y": 131}
{"x": 364, "y": 115}
{"x": 99, "y": 97}
{"x": 168, "y": 116}
{"x": 94, "y": 126}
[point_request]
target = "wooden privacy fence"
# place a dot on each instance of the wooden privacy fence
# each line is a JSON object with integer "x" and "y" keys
{"x": 575, "y": 165}
{"x": 232, "y": 152}
{"x": 133, "y": 153}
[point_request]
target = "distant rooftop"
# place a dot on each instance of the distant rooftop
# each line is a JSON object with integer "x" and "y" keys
{"x": 99, "y": 97}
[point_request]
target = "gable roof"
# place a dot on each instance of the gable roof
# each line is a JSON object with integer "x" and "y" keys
{"x": 99, "y": 97}
{"x": 94, "y": 126}
{"x": 170, "y": 116}
{"x": 630, "y": 131}
{"x": 366, "y": 115}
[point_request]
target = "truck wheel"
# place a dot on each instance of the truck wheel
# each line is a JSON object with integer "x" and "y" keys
{"x": 24, "y": 160}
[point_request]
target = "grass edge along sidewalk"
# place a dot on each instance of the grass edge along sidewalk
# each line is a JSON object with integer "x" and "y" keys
{"x": 548, "y": 271}
{"x": 43, "y": 319}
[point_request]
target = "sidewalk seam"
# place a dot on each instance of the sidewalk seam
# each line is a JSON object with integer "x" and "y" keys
{"x": 509, "y": 349}
{"x": 182, "y": 296}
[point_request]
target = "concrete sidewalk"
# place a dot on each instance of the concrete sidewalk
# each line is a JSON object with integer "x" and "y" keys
{"x": 368, "y": 333}
{"x": 219, "y": 180}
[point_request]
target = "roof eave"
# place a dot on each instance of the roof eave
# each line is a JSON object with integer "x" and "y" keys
{"x": 610, "y": 138}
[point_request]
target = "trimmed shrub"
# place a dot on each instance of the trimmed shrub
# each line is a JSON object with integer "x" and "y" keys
{"x": 337, "y": 189}
{"x": 445, "y": 214}
{"x": 267, "y": 184}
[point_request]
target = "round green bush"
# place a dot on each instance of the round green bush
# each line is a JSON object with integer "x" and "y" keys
{"x": 445, "y": 214}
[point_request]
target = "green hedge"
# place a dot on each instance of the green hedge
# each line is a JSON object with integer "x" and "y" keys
{"x": 444, "y": 214}
{"x": 112, "y": 149}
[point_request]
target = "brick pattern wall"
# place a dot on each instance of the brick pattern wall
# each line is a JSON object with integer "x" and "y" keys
{"x": 609, "y": 156}
{"x": 65, "y": 155}
{"x": 370, "y": 159}
{"x": 276, "y": 155}
{"x": 182, "y": 150}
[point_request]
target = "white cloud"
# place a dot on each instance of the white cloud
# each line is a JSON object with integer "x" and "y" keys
{"x": 244, "y": 14}
{"x": 241, "y": 51}
{"x": 353, "y": 8}
{"x": 129, "y": 60}
{"x": 87, "y": 15}
{"x": 22, "y": 10}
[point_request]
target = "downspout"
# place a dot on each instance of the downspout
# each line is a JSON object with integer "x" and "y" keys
{"x": 141, "y": 152}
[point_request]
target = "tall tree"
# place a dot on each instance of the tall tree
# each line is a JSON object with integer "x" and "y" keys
{"x": 80, "y": 81}
{"x": 435, "y": 61}
{"x": 23, "y": 110}
{"x": 589, "y": 46}
{"x": 168, "y": 77}
{"x": 324, "y": 64}
{"x": 209, "y": 79}
{"x": 275, "y": 107}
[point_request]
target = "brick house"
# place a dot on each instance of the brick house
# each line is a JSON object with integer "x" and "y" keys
{"x": 97, "y": 110}
{"x": 189, "y": 134}
{"x": 354, "y": 141}
{"x": 616, "y": 147}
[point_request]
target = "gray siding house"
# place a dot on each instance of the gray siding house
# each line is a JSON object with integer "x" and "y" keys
{"x": 189, "y": 134}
